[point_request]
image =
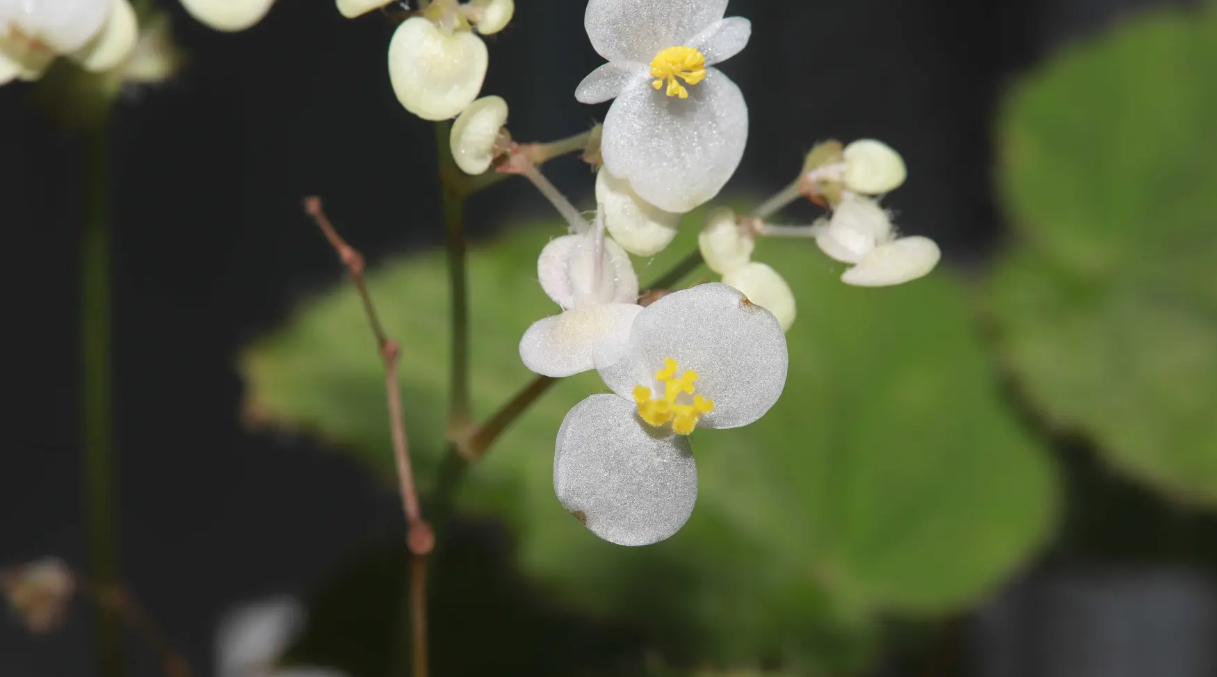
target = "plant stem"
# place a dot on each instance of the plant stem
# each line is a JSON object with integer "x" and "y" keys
{"x": 768, "y": 230}
{"x": 118, "y": 601}
{"x": 544, "y": 152}
{"x": 97, "y": 389}
{"x": 458, "y": 281}
{"x": 489, "y": 432}
{"x": 778, "y": 202}
{"x": 686, "y": 265}
{"x": 574, "y": 217}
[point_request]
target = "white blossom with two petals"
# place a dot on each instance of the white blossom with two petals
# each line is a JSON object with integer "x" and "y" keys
{"x": 860, "y": 232}
{"x": 704, "y": 357}
{"x": 678, "y": 127}
{"x": 592, "y": 279}
{"x": 726, "y": 246}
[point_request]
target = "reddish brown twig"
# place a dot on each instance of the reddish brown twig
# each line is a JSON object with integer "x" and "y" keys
{"x": 125, "y": 607}
{"x": 419, "y": 536}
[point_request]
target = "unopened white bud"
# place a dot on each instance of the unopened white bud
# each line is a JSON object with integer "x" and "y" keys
{"x": 491, "y": 16}
{"x": 353, "y": 8}
{"x": 475, "y": 133}
{"x": 857, "y": 226}
{"x": 767, "y": 289}
{"x": 638, "y": 226}
{"x": 894, "y": 263}
{"x": 229, "y": 16}
{"x": 114, "y": 43}
{"x": 435, "y": 73}
{"x": 723, "y": 244}
{"x": 873, "y": 168}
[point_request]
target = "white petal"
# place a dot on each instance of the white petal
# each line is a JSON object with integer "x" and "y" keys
{"x": 625, "y": 484}
{"x": 155, "y": 57}
{"x": 353, "y": 8}
{"x": 228, "y": 15}
{"x": 723, "y": 40}
{"x": 435, "y": 74}
{"x": 639, "y": 227}
{"x": 253, "y": 637}
{"x": 18, "y": 61}
{"x": 62, "y": 25}
{"x": 677, "y": 153}
{"x": 566, "y": 344}
{"x": 637, "y": 30}
{"x": 567, "y": 271}
{"x": 723, "y": 244}
{"x": 493, "y": 15}
{"x": 767, "y": 289}
{"x": 896, "y": 262}
{"x": 114, "y": 43}
{"x": 857, "y": 226}
{"x": 873, "y": 168}
{"x": 475, "y": 133}
{"x": 607, "y": 81}
{"x": 737, "y": 348}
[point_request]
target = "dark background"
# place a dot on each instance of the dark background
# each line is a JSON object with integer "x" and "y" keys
{"x": 211, "y": 249}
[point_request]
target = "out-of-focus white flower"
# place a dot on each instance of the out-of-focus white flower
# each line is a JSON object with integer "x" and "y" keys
{"x": 860, "y": 232}
{"x": 490, "y": 16}
{"x": 703, "y": 357}
{"x": 229, "y": 16}
{"x": 591, "y": 278}
{"x": 476, "y": 133}
{"x": 436, "y": 71}
{"x": 251, "y": 640}
{"x": 155, "y": 57}
{"x": 114, "y": 43}
{"x": 873, "y": 168}
{"x": 22, "y": 60}
{"x": 638, "y": 226}
{"x": 353, "y": 8}
{"x": 767, "y": 289}
{"x": 724, "y": 245}
{"x": 678, "y": 127}
{"x": 39, "y": 593}
{"x": 34, "y": 32}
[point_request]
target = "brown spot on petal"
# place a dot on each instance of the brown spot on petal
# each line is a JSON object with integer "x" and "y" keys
{"x": 581, "y": 516}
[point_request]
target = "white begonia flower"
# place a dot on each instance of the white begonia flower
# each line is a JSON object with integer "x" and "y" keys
{"x": 353, "y": 8}
{"x": 724, "y": 245}
{"x": 251, "y": 639}
{"x": 229, "y": 16}
{"x": 873, "y": 168}
{"x": 490, "y": 16}
{"x": 705, "y": 356}
{"x": 592, "y": 279}
{"x": 678, "y": 127}
{"x": 436, "y": 72}
{"x": 860, "y": 232}
{"x": 766, "y": 288}
{"x": 21, "y": 60}
{"x": 638, "y": 226}
{"x": 57, "y": 26}
{"x": 476, "y": 132}
{"x": 114, "y": 43}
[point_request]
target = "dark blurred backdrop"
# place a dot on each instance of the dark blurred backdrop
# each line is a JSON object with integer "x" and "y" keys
{"x": 212, "y": 249}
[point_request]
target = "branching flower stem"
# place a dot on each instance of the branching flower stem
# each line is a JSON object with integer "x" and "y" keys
{"x": 118, "y": 601}
{"x": 420, "y": 537}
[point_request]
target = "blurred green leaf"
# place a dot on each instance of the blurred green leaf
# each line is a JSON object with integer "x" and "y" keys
{"x": 889, "y": 477}
{"x": 1107, "y": 315}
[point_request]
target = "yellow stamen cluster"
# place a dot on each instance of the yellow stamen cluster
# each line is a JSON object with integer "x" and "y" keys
{"x": 685, "y": 63}
{"x": 680, "y": 405}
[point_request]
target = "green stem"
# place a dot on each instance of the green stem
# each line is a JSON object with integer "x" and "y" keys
{"x": 686, "y": 265}
{"x": 778, "y": 202}
{"x": 96, "y": 387}
{"x": 458, "y": 281}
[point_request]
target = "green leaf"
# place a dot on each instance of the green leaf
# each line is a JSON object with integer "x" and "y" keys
{"x": 1107, "y": 315}
{"x": 888, "y": 478}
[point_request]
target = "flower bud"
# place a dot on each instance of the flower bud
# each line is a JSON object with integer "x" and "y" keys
{"x": 353, "y": 8}
{"x": 435, "y": 73}
{"x": 39, "y": 593}
{"x": 894, "y": 263}
{"x": 491, "y": 16}
{"x": 857, "y": 226}
{"x": 229, "y": 16}
{"x": 873, "y": 168}
{"x": 723, "y": 244}
{"x": 767, "y": 289}
{"x": 475, "y": 133}
{"x": 114, "y": 43}
{"x": 638, "y": 226}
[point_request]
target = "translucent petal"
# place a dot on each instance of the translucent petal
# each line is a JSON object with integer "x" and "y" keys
{"x": 493, "y": 15}
{"x": 723, "y": 244}
{"x": 873, "y": 168}
{"x": 607, "y": 81}
{"x": 475, "y": 132}
{"x": 114, "y": 43}
{"x": 252, "y": 638}
{"x": 637, "y": 30}
{"x": 567, "y": 271}
{"x": 723, "y": 40}
{"x": 353, "y": 8}
{"x": 857, "y": 226}
{"x": 435, "y": 74}
{"x": 18, "y": 61}
{"x": 737, "y": 348}
{"x": 566, "y": 344}
{"x": 639, "y": 227}
{"x": 677, "y": 153}
{"x": 229, "y": 16}
{"x": 767, "y": 289}
{"x": 896, "y": 262}
{"x": 62, "y": 25}
{"x": 625, "y": 484}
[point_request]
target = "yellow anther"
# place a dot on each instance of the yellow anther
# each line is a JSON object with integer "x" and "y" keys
{"x": 685, "y": 63}
{"x": 675, "y": 406}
